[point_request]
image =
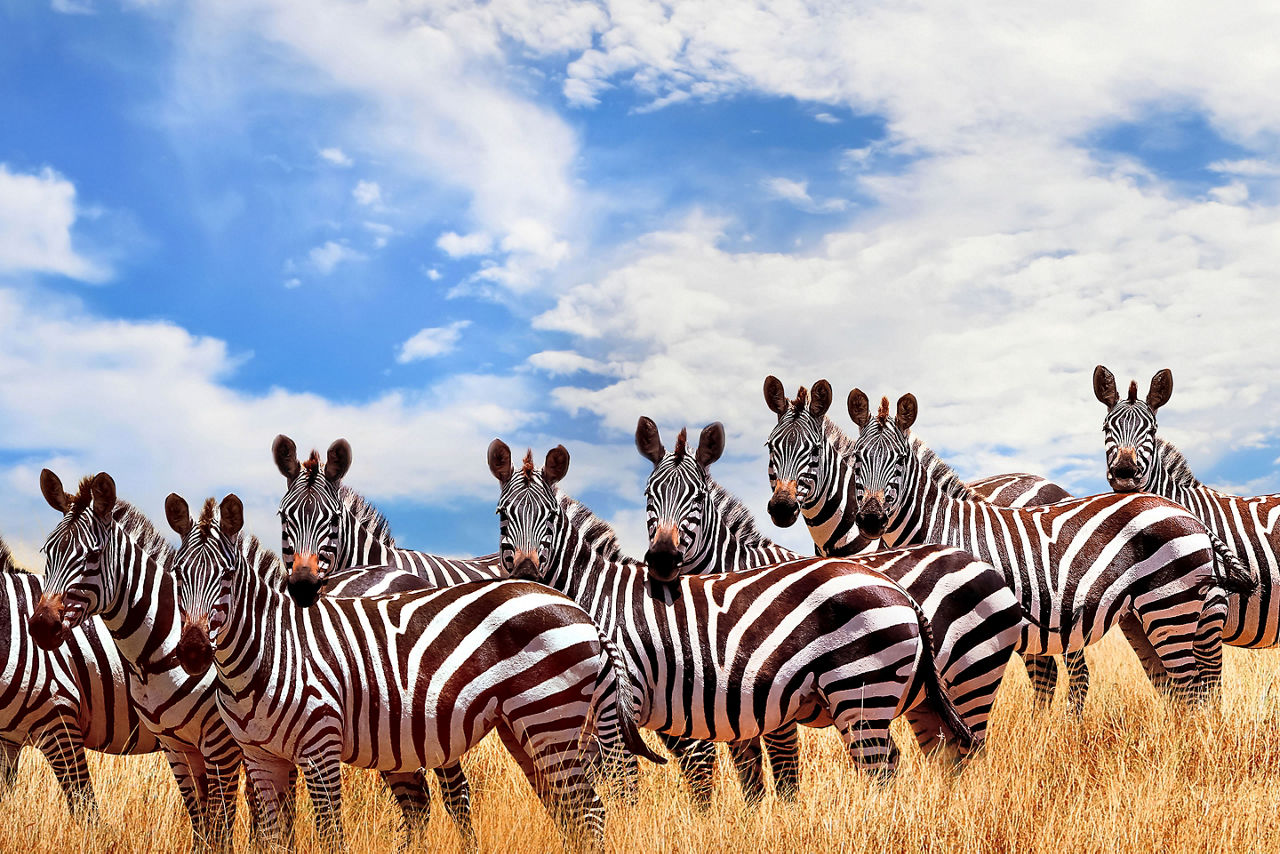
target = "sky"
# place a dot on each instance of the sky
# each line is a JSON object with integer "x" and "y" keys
{"x": 423, "y": 225}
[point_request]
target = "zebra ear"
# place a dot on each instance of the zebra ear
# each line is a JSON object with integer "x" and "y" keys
{"x": 1104, "y": 387}
{"x": 648, "y": 442}
{"x": 338, "y": 460}
{"x": 231, "y": 515}
{"x": 775, "y": 396}
{"x": 104, "y": 495}
{"x": 908, "y": 409}
{"x": 556, "y": 466}
{"x": 820, "y": 398}
{"x": 1161, "y": 389}
{"x": 710, "y": 444}
{"x": 51, "y": 487}
{"x": 178, "y": 514}
{"x": 500, "y": 461}
{"x": 859, "y": 408}
{"x": 286, "y": 456}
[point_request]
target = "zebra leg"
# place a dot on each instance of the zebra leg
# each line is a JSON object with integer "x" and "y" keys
{"x": 63, "y": 745}
{"x": 223, "y": 775}
{"x": 455, "y": 791}
{"x": 748, "y": 758}
{"x": 929, "y": 730}
{"x": 784, "y": 761}
{"x": 1146, "y": 653}
{"x": 1171, "y": 627}
{"x": 1042, "y": 670}
{"x": 697, "y": 761}
{"x": 9, "y": 754}
{"x": 322, "y": 771}
{"x": 1209, "y": 642}
{"x": 865, "y": 728}
{"x": 188, "y": 771}
{"x": 556, "y": 775}
{"x": 410, "y": 790}
{"x": 272, "y": 783}
{"x": 1077, "y": 680}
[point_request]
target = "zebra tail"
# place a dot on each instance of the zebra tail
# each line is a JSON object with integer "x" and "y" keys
{"x": 1234, "y": 576}
{"x": 936, "y": 694}
{"x": 621, "y": 696}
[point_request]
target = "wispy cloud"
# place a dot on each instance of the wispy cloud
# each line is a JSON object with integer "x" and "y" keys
{"x": 326, "y": 257}
{"x": 367, "y": 193}
{"x": 336, "y": 156}
{"x": 797, "y": 193}
{"x": 461, "y": 245}
{"x": 432, "y": 342}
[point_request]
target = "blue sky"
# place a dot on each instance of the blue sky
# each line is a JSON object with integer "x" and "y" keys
{"x": 427, "y": 224}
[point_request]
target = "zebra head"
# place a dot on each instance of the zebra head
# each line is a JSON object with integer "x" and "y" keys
{"x": 795, "y": 448}
{"x": 75, "y": 584}
{"x": 310, "y": 515}
{"x": 676, "y": 495}
{"x": 881, "y": 454}
{"x": 1129, "y": 430}
{"x": 204, "y": 565}
{"x": 528, "y": 509}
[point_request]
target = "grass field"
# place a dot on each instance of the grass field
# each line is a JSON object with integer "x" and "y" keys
{"x": 1135, "y": 773}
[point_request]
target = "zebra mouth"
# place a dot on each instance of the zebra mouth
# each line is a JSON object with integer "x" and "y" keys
{"x": 1123, "y": 484}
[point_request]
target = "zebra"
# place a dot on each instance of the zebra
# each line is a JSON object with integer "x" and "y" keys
{"x": 1139, "y": 460}
{"x": 1078, "y": 567}
{"x": 395, "y": 682}
{"x": 811, "y": 474}
{"x": 64, "y": 700}
{"x": 731, "y": 657}
{"x": 696, "y": 526}
{"x": 105, "y": 558}
{"x": 327, "y": 526}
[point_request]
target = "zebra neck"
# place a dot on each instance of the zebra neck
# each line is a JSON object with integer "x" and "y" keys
{"x": 731, "y": 542}
{"x": 932, "y": 501}
{"x": 1171, "y": 477}
{"x": 144, "y": 618}
{"x": 830, "y": 515}
{"x": 258, "y": 632}
{"x": 599, "y": 581}
{"x": 363, "y": 547}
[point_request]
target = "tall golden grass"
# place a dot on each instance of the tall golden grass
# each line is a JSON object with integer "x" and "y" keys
{"x": 1135, "y": 773}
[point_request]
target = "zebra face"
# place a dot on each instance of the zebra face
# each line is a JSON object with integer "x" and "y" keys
{"x": 204, "y": 565}
{"x": 1129, "y": 428}
{"x": 795, "y": 448}
{"x": 676, "y": 495}
{"x": 881, "y": 454}
{"x": 310, "y": 515}
{"x": 528, "y": 509}
{"x": 75, "y": 586}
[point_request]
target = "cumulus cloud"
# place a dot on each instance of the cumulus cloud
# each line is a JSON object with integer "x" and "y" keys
{"x": 37, "y": 215}
{"x": 431, "y": 342}
{"x": 367, "y": 193}
{"x": 461, "y": 245}
{"x": 326, "y": 257}
{"x": 336, "y": 156}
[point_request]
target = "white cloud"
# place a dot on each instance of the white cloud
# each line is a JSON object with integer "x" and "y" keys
{"x": 431, "y": 342}
{"x": 326, "y": 257}
{"x": 293, "y": 283}
{"x": 797, "y": 193}
{"x": 461, "y": 245}
{"x": 37, "y": 215}
{"x": 149, "y": 402}
{"x": 1249, "y": 168}
{"x": 367, "y": 193}
{"x": 826, "y": 119}
{"x": 336, "y": 156}
{"x": 433, "y": 274}
{"x": 72, "y": 7}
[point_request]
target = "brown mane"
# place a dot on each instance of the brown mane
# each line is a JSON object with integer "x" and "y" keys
{"x": 883, "y": 415}
{"x": 206, "y": 515}
{"x": 802, "y": 397}
{"x": 1133, "y": 391}
{"x": 527, "y": 468}
{"x": 681, "y": 443}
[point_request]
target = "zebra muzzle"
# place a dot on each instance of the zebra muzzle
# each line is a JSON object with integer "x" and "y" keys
{"x": 195, "y": 650}
{"x": 783, "y": 507}
{"x": 664, "y": 557}
{"x": 305, "y": 582}
{"x": 50, "y": 622}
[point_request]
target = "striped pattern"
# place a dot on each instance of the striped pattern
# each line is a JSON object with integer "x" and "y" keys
{"x": 61, "y": 701}
{"x": 732, "y": 657}
{"x": 811, "y": 464}
{"x": 1078, "y": 567}
{"x": 331, "y": 527}
{"x": 398, "y": 682}
{"x": 105, "y": 558}
{"x": 975, "y": 618}
{"x": 1139, "y": 460}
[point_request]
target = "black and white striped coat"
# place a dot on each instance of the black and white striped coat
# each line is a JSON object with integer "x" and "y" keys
{"x": 1139, "y": 460}
{"x": 395, "y": 682}
{"x": 326, "y": 526}
{"x": 64, "y": 700}
{"x": 974, "y": 615}
{"x": 105, "y": 558}
{"x": 1078, "y": 567}
{"x": 731, "y": 657}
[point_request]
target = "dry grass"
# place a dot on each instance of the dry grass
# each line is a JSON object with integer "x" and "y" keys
{"x": 1134, "y": 774}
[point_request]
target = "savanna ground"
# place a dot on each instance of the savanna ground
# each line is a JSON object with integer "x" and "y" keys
{"x": 1135, "y": 773}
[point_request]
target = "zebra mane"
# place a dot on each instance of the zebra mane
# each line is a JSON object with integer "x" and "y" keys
{"x": 736, "y": 517}
{"x": 265, "y": 563}
{"x": 135, "y": 523}
{"x": 941, "y": 473}
{"x": 838, "y": 438}
{"x": 365, "y": 514}
{"x": 1176, "y": 465}
{"x": 6, "y": 561}
{"x": 595, "y": 532}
